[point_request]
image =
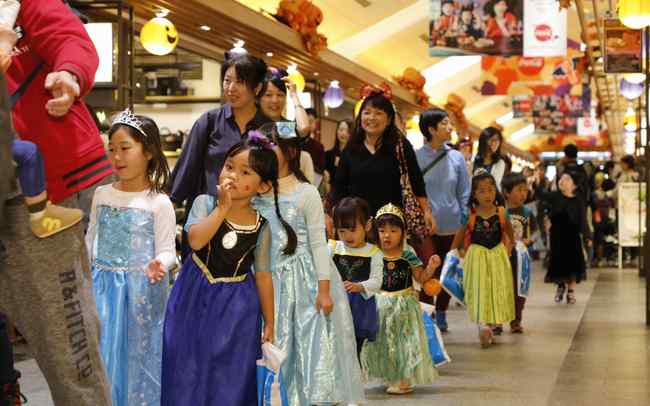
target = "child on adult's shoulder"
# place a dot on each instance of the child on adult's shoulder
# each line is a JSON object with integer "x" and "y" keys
{"x": 487, "y": 239}
{"x": 400, "y": 354}
{"x": 515, "y": 188}
{"x": 213, "y": 332}
{"x": 360, "y": 265}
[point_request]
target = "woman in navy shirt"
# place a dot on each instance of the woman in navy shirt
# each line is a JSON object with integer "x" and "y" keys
{"x": 197, "y": 170}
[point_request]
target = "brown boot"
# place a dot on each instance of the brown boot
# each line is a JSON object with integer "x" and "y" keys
{"x": 54, "y": 220}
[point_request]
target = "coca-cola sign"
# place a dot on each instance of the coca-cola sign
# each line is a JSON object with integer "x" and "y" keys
{"x": 543, "y": 32}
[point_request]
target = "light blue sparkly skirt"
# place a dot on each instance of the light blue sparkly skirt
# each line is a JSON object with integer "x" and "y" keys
{"x": 131, "y": 312}
{"x": 322, "y": 366}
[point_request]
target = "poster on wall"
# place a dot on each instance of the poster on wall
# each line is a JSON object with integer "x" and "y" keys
{"x": 545, "y": 30}
{"x": 522, "y": 106}
{"x": 631, "y": 201}
{"x": 588, "y": 126}
{"x": 470, "y": 27}
{"x": 558, "y": 114}
{"x": 623, "y": 48}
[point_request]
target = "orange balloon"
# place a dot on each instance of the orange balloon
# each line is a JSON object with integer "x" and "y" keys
{"x": 432, "y": 287}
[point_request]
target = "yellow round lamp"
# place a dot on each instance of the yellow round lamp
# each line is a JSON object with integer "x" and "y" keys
{"x": 296, "y": 77}
{"x": 634, "y": 13}
{"x": 159, "y": 36}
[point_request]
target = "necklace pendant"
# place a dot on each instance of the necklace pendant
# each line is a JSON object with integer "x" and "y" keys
{"x": 229, "y": 240}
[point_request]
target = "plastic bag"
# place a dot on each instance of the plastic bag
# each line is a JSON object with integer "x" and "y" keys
{"x": 270, "y": 390}
{"x": 437, "y": 349}
{"x": 523, "y": 269}
{"x": 451, "y": 276}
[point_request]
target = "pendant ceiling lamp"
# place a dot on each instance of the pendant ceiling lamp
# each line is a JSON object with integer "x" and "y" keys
{"x": 635, "y": 78}
{"x": 238, "y": 49}
{"x": 333, "y": 97}
{"x": 159, "y": 36}
{"x": 631, "y": 91}
{"x": 634, "y": 13}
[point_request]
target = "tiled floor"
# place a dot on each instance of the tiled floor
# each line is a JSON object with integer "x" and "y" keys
{"x": 594, "y": 353}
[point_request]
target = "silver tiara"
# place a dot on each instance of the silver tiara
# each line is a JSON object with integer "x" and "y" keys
{"x": 126, "y": 117}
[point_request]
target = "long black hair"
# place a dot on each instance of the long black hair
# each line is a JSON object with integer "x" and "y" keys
{"x": 391, "y": 134}
{"x": 157, "y": 168}
{"x": 478, "y": 178}
{"x": 349, "y": 211}
{"x": 484, "y": 149}
{"x": 264, "y": 162}
{"x": 337, "y": 143}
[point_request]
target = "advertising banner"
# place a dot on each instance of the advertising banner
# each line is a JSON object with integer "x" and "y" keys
{"x": 470, "y": 27}
{"x": 623, "y": 48}
{"x": 545, "y": 30}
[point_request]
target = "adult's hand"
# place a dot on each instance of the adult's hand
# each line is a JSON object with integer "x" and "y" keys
{"x": 65, "y": 89}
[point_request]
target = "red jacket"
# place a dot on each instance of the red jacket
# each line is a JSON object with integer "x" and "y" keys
{"x": 71, "y": 146}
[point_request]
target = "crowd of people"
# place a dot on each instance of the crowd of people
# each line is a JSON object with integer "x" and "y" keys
{"x": 322, "y": 254}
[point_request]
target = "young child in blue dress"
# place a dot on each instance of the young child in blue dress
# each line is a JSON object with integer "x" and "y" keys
{"x": 400, "y": 355}
{"x": 313, "y": 323}
{"x": 213, "y": 328}
{"x": 360, "y": 265}
{"x": 130, "y": 239}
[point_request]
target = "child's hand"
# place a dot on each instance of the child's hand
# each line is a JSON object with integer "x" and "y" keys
{"x": 324, "y": 303}
{"x": 434, "y": 263}
{"x": 155, "y": 271}
{"x": 352, "y": 287}
{"x": 267, "y": 334}
{"x": 224, "y": 195}
{"x": 527, "y": 242}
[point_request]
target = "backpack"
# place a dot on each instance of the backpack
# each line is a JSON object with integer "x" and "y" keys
{"x": 471, "y": 222}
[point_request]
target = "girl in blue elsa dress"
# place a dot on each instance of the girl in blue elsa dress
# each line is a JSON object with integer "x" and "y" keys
{"x": 313, "y": 323}
{"x": 131, "y": 244}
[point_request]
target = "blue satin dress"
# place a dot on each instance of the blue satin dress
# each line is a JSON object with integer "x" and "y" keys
{"x": 131, "y": 309}
{"x": 321, "y": 365}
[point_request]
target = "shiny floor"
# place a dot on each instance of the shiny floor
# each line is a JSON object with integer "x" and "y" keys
{"x": 596, "y": 352}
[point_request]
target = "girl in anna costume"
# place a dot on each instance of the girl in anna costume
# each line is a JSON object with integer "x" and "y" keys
{"x": 213, "y": 329}
{"x": 400, "y": 354}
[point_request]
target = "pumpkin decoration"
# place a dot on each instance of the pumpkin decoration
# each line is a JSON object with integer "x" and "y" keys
{"x": 414, "y": 82}
{"x": 432, "y": 287}
{"x": 304, "y": 17}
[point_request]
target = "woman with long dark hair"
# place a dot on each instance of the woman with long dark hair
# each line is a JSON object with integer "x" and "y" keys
{"x": 197, "y": 170}
{"x": 489, "y": 156}
{"x": 369, "y": 167}
{"x": 333, "y": 156}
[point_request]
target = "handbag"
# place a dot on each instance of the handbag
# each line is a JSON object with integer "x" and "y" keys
{"x": 523, "y": 270}
{"x": 437, "y": 349}
{"x": 451, "y": 276}
{"x": 416, "y": 227}
{"x": 270, "y": 389}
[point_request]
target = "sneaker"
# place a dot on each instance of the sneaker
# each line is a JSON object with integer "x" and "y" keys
{"x": 559, "y": 293}
{"x": 570, "y": 297}
{"x": 399, "y": 390}
{"x": 13, "y": 394}
{"x": 54, "y": 220}
{"x": 485, "y": 336}
{"x": 441, "y": 321}
{"x": 497, "y": 330}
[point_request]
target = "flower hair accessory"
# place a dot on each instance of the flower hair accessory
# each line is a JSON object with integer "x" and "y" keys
{"x": 126, "y": 117}
{"x": 382, "y": 89}
{"x": 258, "y": 139}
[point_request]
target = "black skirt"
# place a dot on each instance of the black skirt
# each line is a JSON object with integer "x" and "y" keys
{"x": 567, "y": 258}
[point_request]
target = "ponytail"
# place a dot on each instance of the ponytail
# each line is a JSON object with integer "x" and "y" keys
{"x": 292, "y": 240}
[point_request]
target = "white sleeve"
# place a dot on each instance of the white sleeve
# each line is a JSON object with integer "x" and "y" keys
{"x": 165, "y": 232}
{"x": 91, "y": 232}
{"x": 373, "y": 284}
{"x": 307, "y": 166}
{"x": 315, "y": 220}
{"x": 498, "y": 170}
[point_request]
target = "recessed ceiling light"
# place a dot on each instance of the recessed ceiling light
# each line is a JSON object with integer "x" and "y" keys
{"x": 205, "y": 28}
{"x": 269, "y": 54}
{"x": 316, "y": 74}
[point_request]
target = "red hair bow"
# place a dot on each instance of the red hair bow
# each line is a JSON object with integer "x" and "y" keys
{"x": 371, "y": 90}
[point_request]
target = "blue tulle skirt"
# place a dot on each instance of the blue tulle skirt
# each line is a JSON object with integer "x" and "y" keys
{"x": 212, "y": 340}
{"x": 364, "y": 316}
{"x": 131, "y": 312}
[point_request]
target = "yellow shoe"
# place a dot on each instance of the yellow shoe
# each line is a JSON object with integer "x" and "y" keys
{"x": 54, "y": 220}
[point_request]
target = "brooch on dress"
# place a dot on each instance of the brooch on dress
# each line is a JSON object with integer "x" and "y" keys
{"x": 229, "y": 240}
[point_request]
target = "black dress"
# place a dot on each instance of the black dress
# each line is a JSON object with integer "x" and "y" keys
{"x": 568, "y": 230}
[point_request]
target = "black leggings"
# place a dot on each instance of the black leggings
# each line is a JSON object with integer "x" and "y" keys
{"x": 7, "y": 373}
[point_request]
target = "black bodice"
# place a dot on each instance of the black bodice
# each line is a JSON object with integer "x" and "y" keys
{"x": 223, "y": 261}
{"x": 397, "y": 275}
{"x": 487, "y": 232}
{"x": 353, "y": 268}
